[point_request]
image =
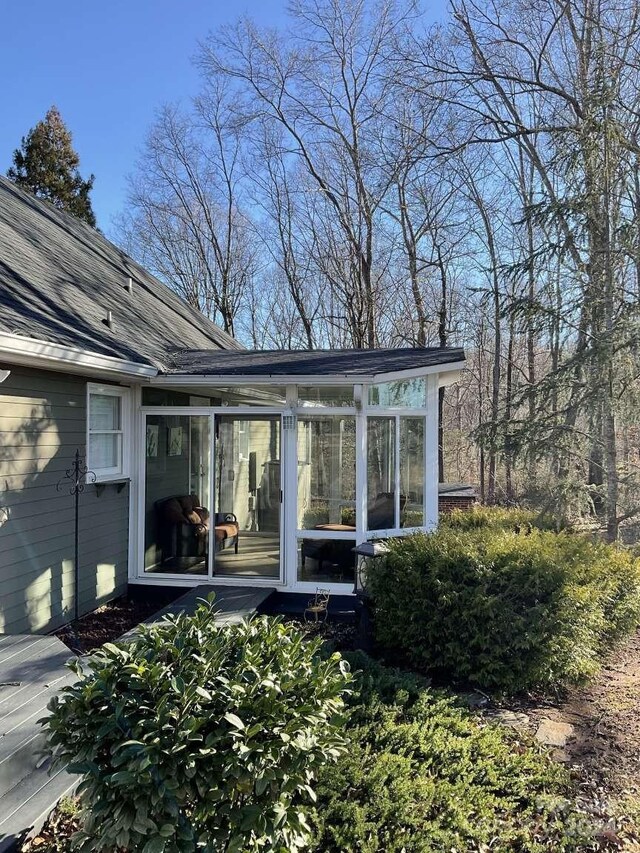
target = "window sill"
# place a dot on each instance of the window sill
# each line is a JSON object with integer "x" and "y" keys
{"x": 119, "y": 482}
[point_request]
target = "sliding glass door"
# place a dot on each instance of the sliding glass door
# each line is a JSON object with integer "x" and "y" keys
{"x": 212, "y": 495}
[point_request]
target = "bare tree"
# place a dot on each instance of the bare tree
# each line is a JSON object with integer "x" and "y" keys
{"x": 185, "y": 208}
{"x": 325, "y": 88}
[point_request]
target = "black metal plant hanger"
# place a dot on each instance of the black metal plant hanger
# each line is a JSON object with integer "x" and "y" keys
{"x": 75, "y": 479}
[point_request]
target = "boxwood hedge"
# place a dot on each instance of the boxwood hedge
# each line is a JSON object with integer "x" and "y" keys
{"x": 502, "y": 609}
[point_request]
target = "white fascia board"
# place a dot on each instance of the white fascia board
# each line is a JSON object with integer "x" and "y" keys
{"x": 31, "y": 352}
{"x": 416, "y": 372}
{"x": 450, "y": 378}
{"x": 216, "y": 381}
{"x": 189, "y": 379}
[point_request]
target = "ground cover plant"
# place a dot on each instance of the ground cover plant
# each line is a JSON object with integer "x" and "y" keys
{"x": 199, "y": 737}
{"x": 422, "y": 775}
{"x": 504, "y": 605}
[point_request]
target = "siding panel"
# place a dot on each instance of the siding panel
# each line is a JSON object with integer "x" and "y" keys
{"x": 42, "y": 422}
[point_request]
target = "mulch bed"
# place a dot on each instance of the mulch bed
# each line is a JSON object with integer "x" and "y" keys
{"x": 340, "y": 635}
{"x": 106, "y": 624}
{"x": 55, "y": 835}
{"x": 603, "y": 748}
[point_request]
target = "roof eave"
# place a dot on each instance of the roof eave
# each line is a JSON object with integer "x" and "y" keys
{"x": 45, "y": 355}
{"x": 194, "y": 379}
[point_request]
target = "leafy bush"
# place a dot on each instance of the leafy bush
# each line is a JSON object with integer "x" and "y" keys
{"x": 193, "y": 734}
{"x": 422, "y": 775}
{"x": 317, "y": 513}
{"x": 348, "y": 515}
{"x": 497, "y": 518}
{"x": 502, "y": 610}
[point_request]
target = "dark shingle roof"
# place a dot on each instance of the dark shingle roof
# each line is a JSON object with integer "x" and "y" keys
{"x": 59, "y": 277}
{"x": 356, "y": 363}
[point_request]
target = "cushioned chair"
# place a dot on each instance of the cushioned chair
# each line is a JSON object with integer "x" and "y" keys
{"x": 183, "y": 527}
{"x": 226, "y": 531}
{"x": 381, "y": 511}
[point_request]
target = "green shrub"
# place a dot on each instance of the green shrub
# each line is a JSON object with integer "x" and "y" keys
{"x": 497, "y": 518}
{"x": 195, "y": 735}
{"x": 503, "y": 610}
{"x": 317, "y": 513}
{"x": 348, "y": 515}
{"x": 421, "y": 775}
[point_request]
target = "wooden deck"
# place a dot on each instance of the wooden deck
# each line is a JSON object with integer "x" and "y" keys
{"x": 32, "y": 670}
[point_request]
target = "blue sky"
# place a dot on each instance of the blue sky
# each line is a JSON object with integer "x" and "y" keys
{"x": 107, "y": 65}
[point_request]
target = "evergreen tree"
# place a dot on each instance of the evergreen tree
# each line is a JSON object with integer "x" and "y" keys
{"x": 46, "y": 165}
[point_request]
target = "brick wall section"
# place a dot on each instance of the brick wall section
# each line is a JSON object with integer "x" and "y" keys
{"x": 447, "y": 503}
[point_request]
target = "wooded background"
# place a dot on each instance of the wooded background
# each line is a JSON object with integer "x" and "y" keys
{"x": 364, "y": 179}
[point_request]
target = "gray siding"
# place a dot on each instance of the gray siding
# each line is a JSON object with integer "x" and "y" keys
{"x": 42, "y": 423}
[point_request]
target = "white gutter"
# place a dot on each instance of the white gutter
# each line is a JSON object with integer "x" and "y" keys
{"x": 31, "y": 352}
{"x": 220, "y": 380}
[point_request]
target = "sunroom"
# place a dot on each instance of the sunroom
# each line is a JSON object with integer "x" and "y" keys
{"x": 269, "y": 468}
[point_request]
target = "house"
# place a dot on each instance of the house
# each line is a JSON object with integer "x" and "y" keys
{"x": 206, "y": 462}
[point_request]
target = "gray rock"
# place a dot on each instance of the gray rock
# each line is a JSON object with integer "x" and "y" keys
{"x": 554, "y": 733}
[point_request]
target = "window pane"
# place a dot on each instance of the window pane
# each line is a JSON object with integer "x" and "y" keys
{"x": 326, "y": 471}
{"x": 408, "y": 393}
{"x": 248, "y": 483}
{"x": 177, "y": 503}
{"x": 327, "y": 560}
{"x": 381, "y": 467}
{"x": 104, "y": 412}
{"x": 104, "y": 451}
{"x": 411, "y": 472}
{"x": 325, "y": 395}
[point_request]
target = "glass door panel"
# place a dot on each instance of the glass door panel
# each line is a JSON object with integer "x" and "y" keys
{"x": 177, "y": 501}
{"x": 411, "y": 472}
{"x": 247, "y": 481}
{"x": 381, "y": 473}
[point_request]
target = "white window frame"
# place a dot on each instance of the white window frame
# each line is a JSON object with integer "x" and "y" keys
{"x": 122, "y": 470}
{"x": 243, "y": 441}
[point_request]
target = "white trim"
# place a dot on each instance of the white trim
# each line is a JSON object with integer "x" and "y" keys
{"x": 396, "y": 475}
{"x": 32, "y": 352}
{"x": 431, "y": 456}
{"x": 211, "y": 539}
{"x": 289, "y": 555}
{"x": 219, "y": 381}
{"x": 240, "y": 411}
{"x": 300, "y": 587}
{"x": 167, "y": 579}
{"x": 416, "y": 372}
{"x": 134, "y": 484}
{"x": 450, "y": 378}
{"x": 361, "y": 469}
{"x": 334, "y": 587}
{"x": 124, "y": 394}
{"x": 314, "y": 533}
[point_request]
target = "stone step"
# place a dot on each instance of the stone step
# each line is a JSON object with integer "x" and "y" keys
{"x": 25, "y": 808}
